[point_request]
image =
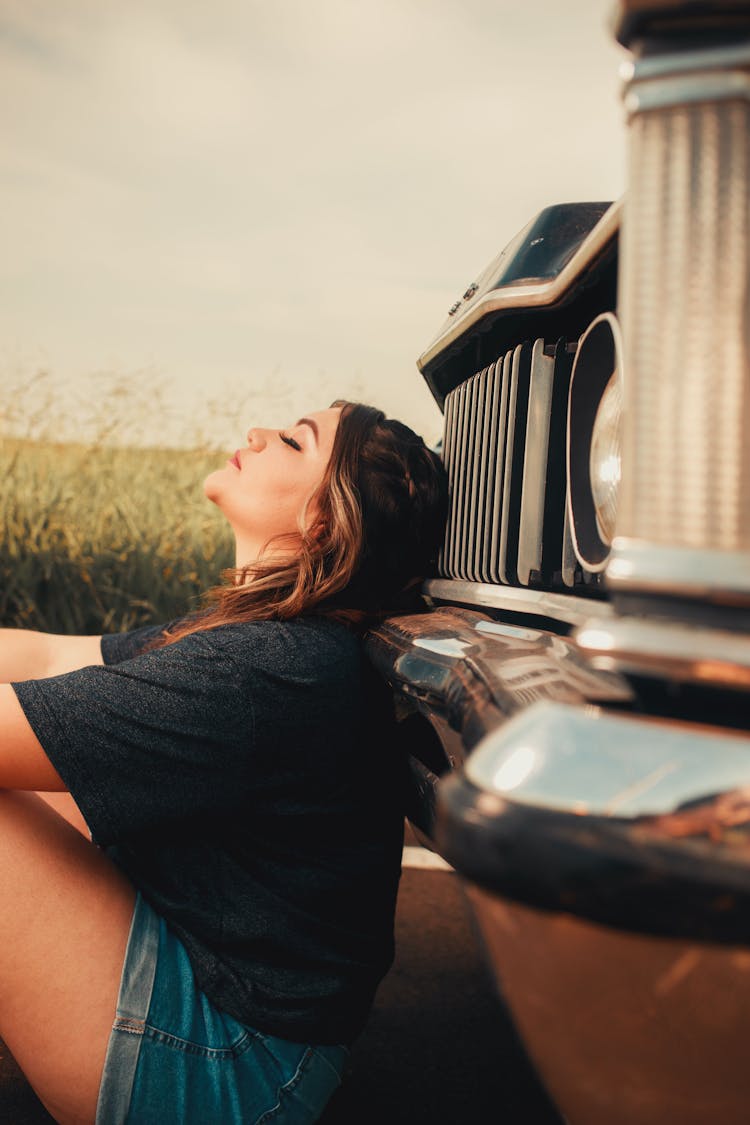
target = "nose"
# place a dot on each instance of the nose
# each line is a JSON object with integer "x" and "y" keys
{"x": 256, "y": 439}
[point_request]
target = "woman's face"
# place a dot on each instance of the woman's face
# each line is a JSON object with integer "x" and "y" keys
{"x": 263, "y": 488}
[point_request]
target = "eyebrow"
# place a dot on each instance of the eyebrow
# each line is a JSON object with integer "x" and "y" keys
{"x": 313, "y": 426}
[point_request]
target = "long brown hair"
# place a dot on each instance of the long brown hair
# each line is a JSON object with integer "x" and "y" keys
{"x": 378, "y": 520}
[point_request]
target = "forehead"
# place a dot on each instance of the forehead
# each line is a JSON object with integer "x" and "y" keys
{"x": 327, "y": 422}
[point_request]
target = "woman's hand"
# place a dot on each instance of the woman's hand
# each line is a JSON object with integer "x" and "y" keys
{"x": 28, "y": 655}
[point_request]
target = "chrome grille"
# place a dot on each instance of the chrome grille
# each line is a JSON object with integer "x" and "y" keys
{"x": 504, "y": 451}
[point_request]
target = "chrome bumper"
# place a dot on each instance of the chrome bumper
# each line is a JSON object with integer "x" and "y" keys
{"x": 608, "y": 861}
{"x": 632, "y": 822}
{"x": 458, "y": 675}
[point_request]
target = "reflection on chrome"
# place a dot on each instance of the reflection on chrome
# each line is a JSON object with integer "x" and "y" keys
{"x": 515, "y": 769}
{"x": 610, "y": 764}
{"x": 443, "y": 646}
{"x": 594, "y": 638}
{"x": 605, "y": 459}
{"x": 632, "y": 822}
{"x": 667, "y": 650}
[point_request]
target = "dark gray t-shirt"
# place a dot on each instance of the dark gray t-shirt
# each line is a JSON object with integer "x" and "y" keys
{"x": 243, "y": 781}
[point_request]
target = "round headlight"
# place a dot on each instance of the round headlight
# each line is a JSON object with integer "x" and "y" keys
{"x": 593, "y": 447}
{"x": 605, "y": 460}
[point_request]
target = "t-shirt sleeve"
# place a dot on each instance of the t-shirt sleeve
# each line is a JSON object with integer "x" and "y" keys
{"x": 117, "y": 647}
{"x": 150, "y": 741}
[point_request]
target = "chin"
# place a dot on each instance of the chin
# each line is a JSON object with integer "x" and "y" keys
{"x": 212, "y": 486}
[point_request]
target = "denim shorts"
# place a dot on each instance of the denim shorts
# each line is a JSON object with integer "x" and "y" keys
{"x": 175, "y": 1059}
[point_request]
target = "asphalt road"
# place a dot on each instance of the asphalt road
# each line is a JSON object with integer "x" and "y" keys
{"x": 438, "y": 1048}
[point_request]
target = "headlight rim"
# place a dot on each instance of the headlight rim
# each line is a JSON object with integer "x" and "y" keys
{"x": 598, "y": 360}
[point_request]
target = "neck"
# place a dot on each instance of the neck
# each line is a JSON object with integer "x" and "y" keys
{"x": 249, "y": 550}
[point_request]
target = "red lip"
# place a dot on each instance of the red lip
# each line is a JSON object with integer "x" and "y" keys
{"x": 235, "y": 460}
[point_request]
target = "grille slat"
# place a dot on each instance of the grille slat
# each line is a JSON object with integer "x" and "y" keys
{"x": 476, "y": 404}
{"x": 463, "y": 394}
{"x": 555, "y": 497}
{"x": 514, "y": 451}
{"x": 500, "y": 454}
{"x": 450, "y": 445}
{"x": 491, "y": 486}
{"x": 468, "y": 475}
{"x": 456, "y": 463}
{"x": 536, "y": 448}
{"x": 476, "y": 530}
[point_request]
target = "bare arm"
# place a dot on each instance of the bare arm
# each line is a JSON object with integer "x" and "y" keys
{"x": 27, "y": 655}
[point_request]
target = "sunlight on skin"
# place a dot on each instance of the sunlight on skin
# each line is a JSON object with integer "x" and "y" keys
{"x": 263, "y": 488}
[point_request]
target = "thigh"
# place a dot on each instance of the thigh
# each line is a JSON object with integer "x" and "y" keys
{"x": 65, "y": 806}
{"x": 65, "y": 913}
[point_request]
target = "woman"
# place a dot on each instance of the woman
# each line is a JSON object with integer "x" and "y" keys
{"x": 237, "y": 913}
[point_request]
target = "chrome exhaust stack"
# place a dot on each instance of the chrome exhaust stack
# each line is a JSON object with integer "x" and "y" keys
{"x": 679, "y": 570}
{"x": 683, "y": 524}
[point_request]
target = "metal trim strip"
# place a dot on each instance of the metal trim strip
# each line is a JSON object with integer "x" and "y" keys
{"x": 449, "y": 444}
{"x": 462, "y": 470}
{"x": 514, "y": 453}
{"x": 531, "y": 521}
{"x": 479, "y": 414}
{"x": 483, "y": 526}
{"x": 719, "y": 577}
{"x": 500, "y": 457}
{"x": 666, "y": 650}
{"x": 532, "y": 295}
{"x": 566, "y": 608}
{"x": 458, "y": 478}
{"x": 470, "y": 491}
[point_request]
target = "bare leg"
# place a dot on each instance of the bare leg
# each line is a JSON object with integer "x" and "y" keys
{"x": 65, "y": 913}
{"x": 65, "y": 806}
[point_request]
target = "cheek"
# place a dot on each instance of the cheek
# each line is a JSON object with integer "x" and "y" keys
{"x": 267, "y": 498}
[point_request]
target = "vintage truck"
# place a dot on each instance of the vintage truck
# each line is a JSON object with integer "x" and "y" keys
{"x": 576, "y": 701}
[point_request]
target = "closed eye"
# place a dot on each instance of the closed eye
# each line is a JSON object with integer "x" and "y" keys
{"x": 290, "y": 441}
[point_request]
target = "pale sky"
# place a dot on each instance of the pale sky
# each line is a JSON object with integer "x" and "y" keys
{"x": 274, "y": 204}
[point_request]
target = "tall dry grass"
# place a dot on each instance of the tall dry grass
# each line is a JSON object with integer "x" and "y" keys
{"x": 97, "y": 539}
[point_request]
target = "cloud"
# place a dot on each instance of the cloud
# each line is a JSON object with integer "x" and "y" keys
{"x": 218, "y": 192}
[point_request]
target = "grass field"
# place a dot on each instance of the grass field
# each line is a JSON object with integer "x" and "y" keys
{"x": 101, "y": 539}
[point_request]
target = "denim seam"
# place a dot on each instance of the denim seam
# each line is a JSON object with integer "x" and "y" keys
{"x": 328, "y": 1063}
{"x": 134, "y": 997}
{"x": 167, "y": 1039}
{"x": 129, "y": 1025}
{"x": 286, "y": 1088}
